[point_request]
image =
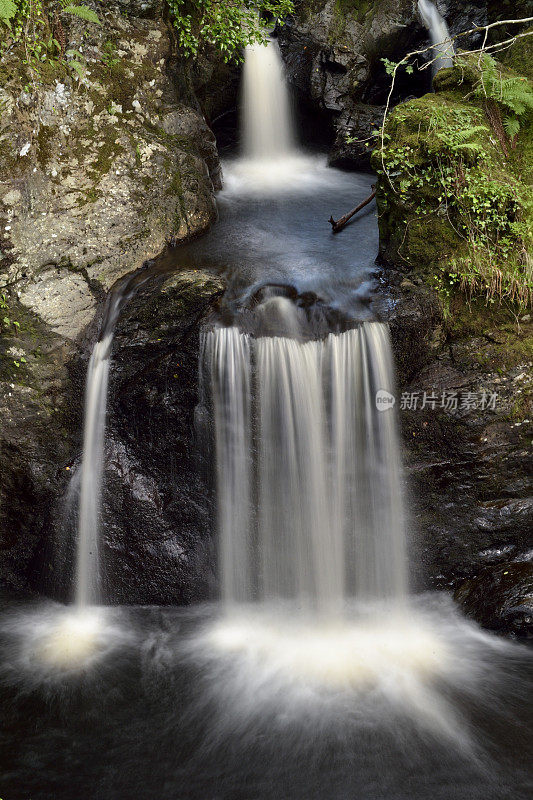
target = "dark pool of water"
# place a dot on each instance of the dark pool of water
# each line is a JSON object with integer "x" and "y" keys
{"x": 156, "y": 715}
{"x": 278, "y": 233}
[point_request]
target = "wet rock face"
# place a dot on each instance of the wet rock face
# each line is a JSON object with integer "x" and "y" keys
{"x": 157, "y": 515}
{"x": 333, "y": 55}
{"x": 466, "y": 411}
{"x": 96, "y": 173}
{"x": 158, "y": 512}
{"x": 501, "y": 598}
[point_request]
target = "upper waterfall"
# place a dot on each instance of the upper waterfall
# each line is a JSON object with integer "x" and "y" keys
{"x": 270, "y": 161}
{"x": 267, "y": 119}
{"x": 443, "y": 50}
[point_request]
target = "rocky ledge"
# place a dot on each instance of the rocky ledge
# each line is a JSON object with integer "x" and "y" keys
{"x": 105, "y": 156}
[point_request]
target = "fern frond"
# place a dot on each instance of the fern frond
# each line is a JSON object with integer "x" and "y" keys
{"x": 517, "y": 94}
{"x": 467, "y": 133}
{"x": 78, "y": 68}
{"x": 8, "y": 10}
{"x": 512, "y": 126}
{"x": 83, "y": 13}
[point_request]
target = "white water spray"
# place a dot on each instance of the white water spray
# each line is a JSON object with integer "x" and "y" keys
{"x": 443, "y": 50}
{"x": 87, "y": 571}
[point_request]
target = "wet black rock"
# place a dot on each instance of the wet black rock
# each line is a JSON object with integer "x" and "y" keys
{"x": 468, "y": 466}
{"x": 501, "y": 598}
{"x": 158, "y": 514}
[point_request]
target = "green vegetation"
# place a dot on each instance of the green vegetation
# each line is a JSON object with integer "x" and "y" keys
{"x": 201, "y": 25}
{"x": 224, "y": 27}
{"x": 37, "y": 25}
{"x": 455, "y": 197}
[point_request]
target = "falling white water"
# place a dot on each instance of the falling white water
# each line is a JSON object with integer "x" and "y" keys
{"x": 229, "y": 363}
{"x": 87, "y": 571}
{"x": 267, "y": 120}
{"x": 270, "y": 159}
{"x": 308, "y": 470}
{"x": 443, "y": 50}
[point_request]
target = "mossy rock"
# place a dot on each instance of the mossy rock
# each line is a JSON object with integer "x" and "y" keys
{"x": 454, "y": 193}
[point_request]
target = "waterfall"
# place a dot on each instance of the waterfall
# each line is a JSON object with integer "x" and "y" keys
{"x": 267, "y": 121}
{"x": 443, "y": 49}
{"x": 87, "y": 577}
{"x": 309, "y": 489}
{"x": 271, "y": 161}
{"x": 90, "y": 477}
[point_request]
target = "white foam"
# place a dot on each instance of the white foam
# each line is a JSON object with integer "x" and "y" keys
{"x": 376, "y": 666}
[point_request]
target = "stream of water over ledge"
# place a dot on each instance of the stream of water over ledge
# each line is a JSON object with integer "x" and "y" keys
{"x": 317, "y": 676}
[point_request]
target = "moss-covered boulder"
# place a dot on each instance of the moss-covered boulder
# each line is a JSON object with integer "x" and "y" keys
{"x": 455, "y": 199}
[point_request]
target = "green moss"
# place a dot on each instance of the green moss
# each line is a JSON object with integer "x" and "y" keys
{"x": 119, "y": 87}
{"x": 357, "y": 9}
{"x": 51, "y": 70}
{"x": 44, "y": 144}
{"x": 519, "y": 57}
{"x": 454, "y": 198}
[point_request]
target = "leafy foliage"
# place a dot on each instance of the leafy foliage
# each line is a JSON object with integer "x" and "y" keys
{"x": 444, "y": 173}
{"x": 224, "y": 27}
{"x": 36, "y": 24}
{"x": 8, "y": 10}
{"x": 513, "y": 92}
{"x": 83, "y": 12}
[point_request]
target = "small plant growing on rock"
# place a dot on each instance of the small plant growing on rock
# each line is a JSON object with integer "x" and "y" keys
{"x": 37, "y": 26}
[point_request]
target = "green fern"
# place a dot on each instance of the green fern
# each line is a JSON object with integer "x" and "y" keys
{"x": 83, "y": 13}
{"x": 467, "y": 133}
{"x": 512, "y": 126}
{"x": 471, "y": 147}
{"x": 514, "y": 93}
{"x": 8, "y": 10}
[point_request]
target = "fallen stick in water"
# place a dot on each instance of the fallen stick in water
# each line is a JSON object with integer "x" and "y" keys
{"x": 340, "y": 223}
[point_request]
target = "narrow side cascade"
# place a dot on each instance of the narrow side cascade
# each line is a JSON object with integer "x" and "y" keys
{"x": 90, "y": 477}
{"x": 87, "y": 567}
{"x": 267, "y": 119}
{"x": 443, "y": 50}
{"x": 310, "y": 504}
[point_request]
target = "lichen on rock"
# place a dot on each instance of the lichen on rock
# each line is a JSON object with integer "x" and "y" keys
{"x": 92, "y": 184}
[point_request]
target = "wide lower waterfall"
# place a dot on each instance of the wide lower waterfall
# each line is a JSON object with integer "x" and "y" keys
{"x": 308, "y": 469}
{"x": 266, "y": 112}
{"x": 443, "y": 50}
